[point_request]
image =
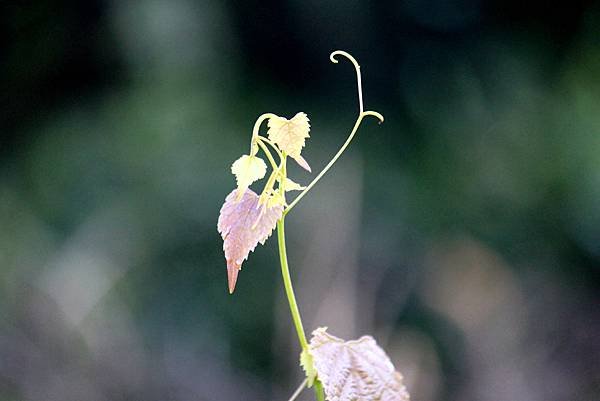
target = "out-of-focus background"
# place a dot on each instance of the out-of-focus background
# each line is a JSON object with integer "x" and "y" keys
{"x": 463, "y": 233}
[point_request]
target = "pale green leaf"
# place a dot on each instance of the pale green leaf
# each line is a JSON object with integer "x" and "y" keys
{"x": 290, "y": 185}
{"x": 290, "y": 135}
{"x": 248, "y": 169}
{"x": 306, "y": 361}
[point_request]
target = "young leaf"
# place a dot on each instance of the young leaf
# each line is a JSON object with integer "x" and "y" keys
{"x": 248, "y": 169}
{"x": 290, "y": 135}
{"x": 306, "y": 361}
{"x": 355, "y": 370}
{"x": 243, "y": 224}
{"x": 292, "y": 186}
{"x": 275, "y": 199}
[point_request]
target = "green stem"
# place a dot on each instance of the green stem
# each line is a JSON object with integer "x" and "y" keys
{"x": 319, "y": 390}
{"x": 257, "y": 124}
{"x": 289, "y": 292}
{"x": 268, "y": 153}
{"x": 361, "y": 116}
{"x": 287, "y": 283}
{"x": 327, "y": 167}
{"x": 285, "y": 271}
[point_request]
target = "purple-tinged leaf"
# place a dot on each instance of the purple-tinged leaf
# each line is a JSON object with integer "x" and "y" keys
{"x": 243, "y": 224}
{"x": 355, "y": 370}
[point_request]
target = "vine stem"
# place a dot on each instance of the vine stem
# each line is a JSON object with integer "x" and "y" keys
{"x": 291, "y": 297}
{"x": 285, "y": 270}
{"x": 361, "y": 115}
{"x": 257, "y": 124}
{"x": 298, "y": 390}
{"x": 287, "y": 283}
{"x": 358, "y": 75}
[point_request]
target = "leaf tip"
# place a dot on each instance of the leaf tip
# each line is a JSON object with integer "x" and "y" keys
{"x": 303, "y": 163}
{"x": 233, "y": 270}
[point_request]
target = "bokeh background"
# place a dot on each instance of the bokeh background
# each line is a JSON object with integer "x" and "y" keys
{"x": 463, "y": 233}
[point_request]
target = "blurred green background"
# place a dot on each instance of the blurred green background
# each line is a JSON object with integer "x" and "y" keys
{"x": 463, "y": 233}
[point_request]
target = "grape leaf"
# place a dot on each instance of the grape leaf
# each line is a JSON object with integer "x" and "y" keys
{"x": 243, "y": 224}
{"x": 306, "y": 361}
{"x": 290, "y": 135}
{"x": 355, "y": 370}
{"x": 248, "y": 169}
{"x": 292, "y": 185}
